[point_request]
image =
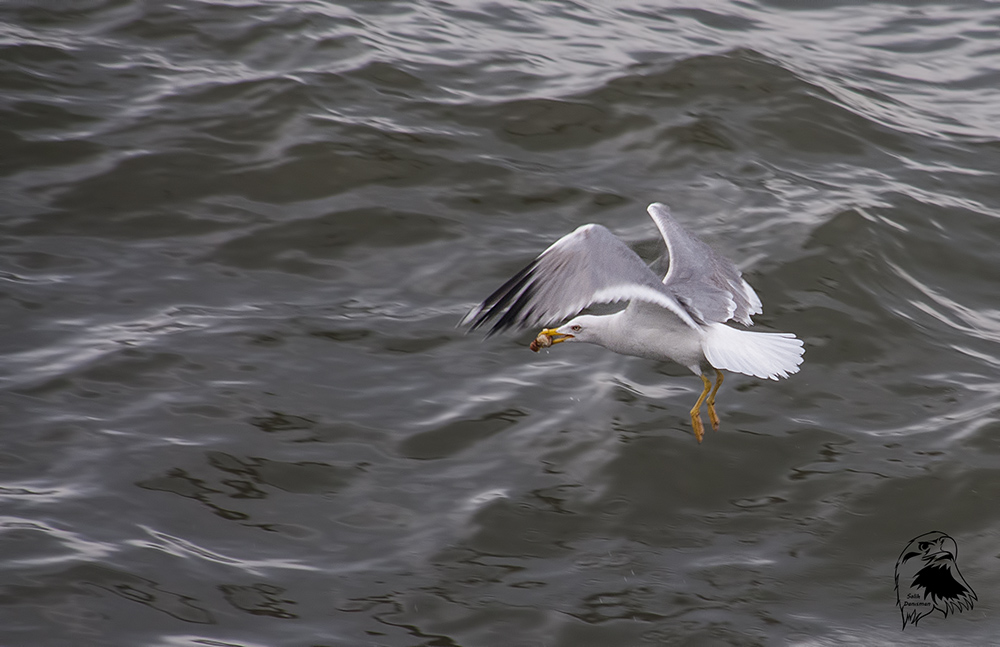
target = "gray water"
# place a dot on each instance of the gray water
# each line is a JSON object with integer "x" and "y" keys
{"x": 237, "y": 239}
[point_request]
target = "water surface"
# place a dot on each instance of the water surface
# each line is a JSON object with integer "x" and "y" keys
{"x": 238, "y": 238}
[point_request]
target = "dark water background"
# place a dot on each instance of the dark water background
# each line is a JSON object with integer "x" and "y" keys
{"x": 237, "y": 237}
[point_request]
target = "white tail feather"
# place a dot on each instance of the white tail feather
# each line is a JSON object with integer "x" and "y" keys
{"x": 761, "y": 354}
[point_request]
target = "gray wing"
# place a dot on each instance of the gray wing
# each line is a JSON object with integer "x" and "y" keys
{"x": 708, "y": 285}
{"x": 589, "y": 265}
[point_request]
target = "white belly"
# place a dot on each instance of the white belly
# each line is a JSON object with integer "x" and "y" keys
{"x": 657, "y": 334}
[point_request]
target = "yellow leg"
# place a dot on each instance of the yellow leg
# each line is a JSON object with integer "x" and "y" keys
{"x": 699, "y": 429}
{"x": 711, "y": 400}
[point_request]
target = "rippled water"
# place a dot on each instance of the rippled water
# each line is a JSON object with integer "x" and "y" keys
{"x": 237, "y": 238}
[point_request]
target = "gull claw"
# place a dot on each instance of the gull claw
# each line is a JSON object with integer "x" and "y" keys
{"x": 713, "y": 417}
{"x": 699, "y": 428}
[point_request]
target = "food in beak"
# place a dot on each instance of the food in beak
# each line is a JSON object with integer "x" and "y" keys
{"x": 541, "y": 341}
{"x": 548, "y": 337}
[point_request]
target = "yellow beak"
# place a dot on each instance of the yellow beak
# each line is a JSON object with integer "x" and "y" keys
{"x": 557, "y": 337}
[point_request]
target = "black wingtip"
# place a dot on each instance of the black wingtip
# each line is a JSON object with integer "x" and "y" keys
{"x": 495, "y": 304}
{"x": 511, "y": 317}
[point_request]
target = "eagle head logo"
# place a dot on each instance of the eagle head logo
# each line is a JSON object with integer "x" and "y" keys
{"x": 927, "y": 578}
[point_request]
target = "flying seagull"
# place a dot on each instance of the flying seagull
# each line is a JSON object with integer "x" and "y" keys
{"x": 681, "y": 318}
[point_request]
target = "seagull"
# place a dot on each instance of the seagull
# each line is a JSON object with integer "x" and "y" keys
{"x": 681, "y": 318}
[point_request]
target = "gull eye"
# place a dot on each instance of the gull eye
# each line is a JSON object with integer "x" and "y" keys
{"x": 576, "y": 328}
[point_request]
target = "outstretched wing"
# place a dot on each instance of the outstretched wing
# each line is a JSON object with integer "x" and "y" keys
{"x": 707, "y": 284}
{"x": 589, "y": 265}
